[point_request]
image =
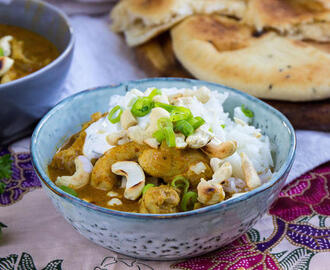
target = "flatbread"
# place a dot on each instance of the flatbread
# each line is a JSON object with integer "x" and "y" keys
{"x": 300, "y": 19}
{"x": 141, "y": 20}
{"x": 221, "y": 50}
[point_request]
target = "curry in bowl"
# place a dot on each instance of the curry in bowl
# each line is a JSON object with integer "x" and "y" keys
{"x": 23, "y": 52}
{"x": 164, "y": 151}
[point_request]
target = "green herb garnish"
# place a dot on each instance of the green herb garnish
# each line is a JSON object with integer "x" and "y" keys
{"x": 146, "y": 187}
{"x": 113, "y": 116}
{"x": 188, "y": 201}
{"x": 1, "y": 52}
{"x": 247, "y": 112}
{"x": 69, "y": 190}
{"x": 223, "y": 125}
{"x": 5, "y": 170}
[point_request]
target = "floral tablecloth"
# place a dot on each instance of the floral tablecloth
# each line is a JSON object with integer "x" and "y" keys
{"x": 293, "y": 235}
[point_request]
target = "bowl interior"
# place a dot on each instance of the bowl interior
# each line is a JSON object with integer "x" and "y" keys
{"x": 39, "y": 17}
{"x": 66, "y": 118}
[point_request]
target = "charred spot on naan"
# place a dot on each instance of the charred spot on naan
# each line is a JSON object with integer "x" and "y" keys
{"x": 223, "y": 33}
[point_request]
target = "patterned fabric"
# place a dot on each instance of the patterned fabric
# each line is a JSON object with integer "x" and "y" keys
{"x": 23, "y": 178}
{"x": 300, "y": 232}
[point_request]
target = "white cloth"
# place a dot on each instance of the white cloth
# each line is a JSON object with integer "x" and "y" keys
{"x": 102, "y": 58}
{"x": 92, "y": 7}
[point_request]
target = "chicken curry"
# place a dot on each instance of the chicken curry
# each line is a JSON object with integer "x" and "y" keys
{"x": 151, "y": 155}
{"x": 23, "y": 52}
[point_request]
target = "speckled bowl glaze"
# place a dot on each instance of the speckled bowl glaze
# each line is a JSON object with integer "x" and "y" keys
{"x": 170, "y": 236}
{"x": 25, "y": 100}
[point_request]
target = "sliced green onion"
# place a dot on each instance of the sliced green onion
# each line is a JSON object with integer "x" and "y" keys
{"x": 165, "y": 106}
{"x": 196, "y": 122}
{"x": 210, "y": 129}
{"x": 169, "y": 136}
{"x": 223, "y": 125}
{"x": 1, "y": 52}
{"x": 188, "y": 200}
{"x": 69, "y": 190}
{"x": 146, "y": 187}
{"x": 164, "y": 122}
{"x": 181, "y": 183}
{"x": 180, "y": 113}
{"x": 159, "y": 135}
{"x": 154, "y": 93}
{"x": 115, "y": 119}
{"x": 142, "y": 106}
{"x": 2, "y": 187}
{"x": 247, "y": 112}
{"x": 184, "y": 127}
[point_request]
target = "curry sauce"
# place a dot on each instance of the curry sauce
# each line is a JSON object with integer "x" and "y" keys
{"x": 30, "y": 52}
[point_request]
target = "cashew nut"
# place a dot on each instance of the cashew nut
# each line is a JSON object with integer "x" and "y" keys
{"x": 223, "y": 173}
{"x": 114, "y": 137}
{"x": 152, "y": 142}
{"x": 135, "y": 178}
{"x": 209, "y": 192}
{"x": 199, "y": 139}
{"x": 80, "y": 178}
{"x": 203, "y": 94}
{"x": 215, "y": 163}
{"x": 5, "y": 45}
{"x": 114, "y": 201}
{"x": 127, "y": 119}
{"x": 155, "y": 114}
{"x": 136, "y": 134}
{"x": 220, "y": 149}
{"x": 251, "y": 176}
{"x": 5, "y": 64}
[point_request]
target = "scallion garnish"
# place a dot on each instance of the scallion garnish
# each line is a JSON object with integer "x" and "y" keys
{"x": 146, "y": 187}
{"x": 223, "y": 125}
{"x": 164, "y": 122}
{"x": 184, "y": 127}
{"x": 1, "y": 52}
{"x": 112, "y": 114}
{"x": 165, "y": 106}
{"x": 180, "y": 113}
{"x": 159, "y": 135}
{"x": 69, "y": 190}
{"x": 169, "y": 136}
{"x": 188, "y": 200}
{"x": 142, "y": 106}
{"x": 247, "y": 112}
{"x": 154, "y": 93}
{"x": 165, "y": 132}
{"x": 196, "y": 122}
{"x": 181, "y": 183}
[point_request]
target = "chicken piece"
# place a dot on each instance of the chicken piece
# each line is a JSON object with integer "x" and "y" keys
{"x": 160, "y": 200}
{"x": 64, "y": 158}
{"x": 102, "y": 176}
{"x": 168, "y": 162}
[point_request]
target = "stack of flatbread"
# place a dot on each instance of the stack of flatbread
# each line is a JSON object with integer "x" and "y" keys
{"x": 273, "y": 49}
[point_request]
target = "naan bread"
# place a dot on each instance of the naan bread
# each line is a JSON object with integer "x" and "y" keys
{"x": 300, "y": 19}
{"x": 221, "y": 50}
{"x": 141, "y": 20}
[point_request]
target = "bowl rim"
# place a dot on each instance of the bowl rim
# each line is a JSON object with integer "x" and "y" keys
{"x": 63, "y": 55}
{"x": 75, "y": 200}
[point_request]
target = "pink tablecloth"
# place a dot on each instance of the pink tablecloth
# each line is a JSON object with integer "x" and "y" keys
{"x": 294, "y": 235}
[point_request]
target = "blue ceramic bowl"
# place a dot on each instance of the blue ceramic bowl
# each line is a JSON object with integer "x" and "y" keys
{"x": 154, "y": 236}
{"x": 24, "y": 101}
